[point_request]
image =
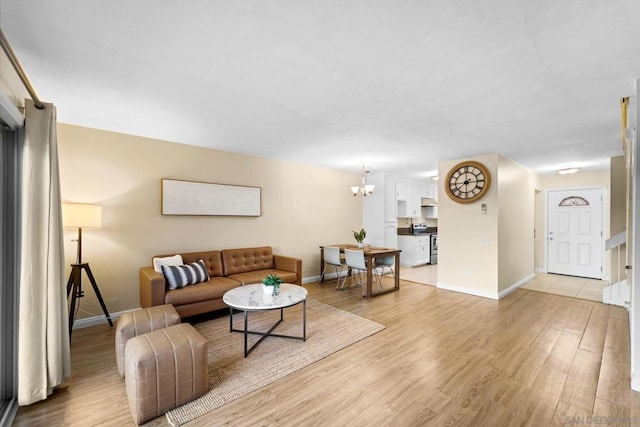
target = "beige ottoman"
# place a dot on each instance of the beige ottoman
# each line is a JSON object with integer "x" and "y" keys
{"x": 140, "y": 322}
{"x": 164, "y": 369}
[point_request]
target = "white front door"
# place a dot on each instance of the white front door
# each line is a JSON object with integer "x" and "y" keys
{"x": 574, "y": 232}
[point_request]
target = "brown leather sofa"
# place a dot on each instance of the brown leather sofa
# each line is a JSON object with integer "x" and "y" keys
{"x": 227, "y": 268}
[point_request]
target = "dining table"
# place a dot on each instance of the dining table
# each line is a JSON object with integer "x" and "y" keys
{"x": 370, "y": 253}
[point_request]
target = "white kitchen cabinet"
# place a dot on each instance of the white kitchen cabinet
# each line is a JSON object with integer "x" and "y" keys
{"x": 402, "y": 190}
{"x": 423, "y": 254}
{"x": 391, "y": 235}
{"x": 429, "y": 191}
{"x": 415, "y": 250}
{"x": 410, "y": 206}
{"x": 390, "y": 205}
{"x": 413, "y": 199}
{"x": 379, "y": 210}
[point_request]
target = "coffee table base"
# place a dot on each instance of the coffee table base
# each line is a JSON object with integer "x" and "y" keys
{"x": 269, "y": 333}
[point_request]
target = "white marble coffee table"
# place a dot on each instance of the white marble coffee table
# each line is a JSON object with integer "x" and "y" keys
{"x": 252, "y": 298}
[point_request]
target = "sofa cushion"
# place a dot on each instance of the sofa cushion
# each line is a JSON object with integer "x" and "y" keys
{"x": 212, "y": 260}
{"x": 214, "y": 288}
{"x": 247, "y": 259}
{"x": 182, "y": 275}
{"x": 251, "y": 277}
{"x": 168, "y": 260}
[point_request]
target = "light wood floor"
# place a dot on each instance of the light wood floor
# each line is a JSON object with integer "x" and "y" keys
{"x": 445, "y": 358}
{"x": 557, "y": 284}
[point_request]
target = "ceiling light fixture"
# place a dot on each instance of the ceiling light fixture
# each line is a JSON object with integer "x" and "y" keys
{"x": 363, "y": 189}
{"x": 568, "y": 171}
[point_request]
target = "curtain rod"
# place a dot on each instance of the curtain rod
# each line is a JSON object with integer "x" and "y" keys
{"x": 19, "y": 70}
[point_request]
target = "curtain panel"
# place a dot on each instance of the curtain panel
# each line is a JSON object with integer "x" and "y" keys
{"x": 43, "y": 340}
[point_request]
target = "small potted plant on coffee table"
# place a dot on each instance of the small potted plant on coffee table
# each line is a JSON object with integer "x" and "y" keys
{"x": 271, "y": 284}
{"x": 359, "y": 236}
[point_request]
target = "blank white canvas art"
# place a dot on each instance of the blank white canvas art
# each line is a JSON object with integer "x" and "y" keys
{"x": 201, "y": 198}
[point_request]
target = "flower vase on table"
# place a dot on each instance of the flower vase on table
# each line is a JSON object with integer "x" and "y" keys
{"x": 271, "y": 284}
{"x": 270, "y": 290}
{"x": 359, "y": 236}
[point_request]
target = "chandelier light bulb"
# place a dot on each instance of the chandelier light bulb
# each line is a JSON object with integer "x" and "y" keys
{"x": 363, "y": 189}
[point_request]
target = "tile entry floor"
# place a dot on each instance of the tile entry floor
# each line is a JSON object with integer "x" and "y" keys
{"x": 569, "y": 286}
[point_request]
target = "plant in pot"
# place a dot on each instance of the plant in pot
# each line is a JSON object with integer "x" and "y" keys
{"x": 271, "y": 284}
{"x": 359, "y": 236}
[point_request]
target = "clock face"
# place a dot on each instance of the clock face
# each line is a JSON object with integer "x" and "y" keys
{"x": 467, "y": 182}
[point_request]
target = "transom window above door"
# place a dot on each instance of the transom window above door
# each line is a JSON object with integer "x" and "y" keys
{"x": 574, "y": 201}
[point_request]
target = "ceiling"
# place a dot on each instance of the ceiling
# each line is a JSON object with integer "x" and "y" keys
{"x": 395, "y": 85}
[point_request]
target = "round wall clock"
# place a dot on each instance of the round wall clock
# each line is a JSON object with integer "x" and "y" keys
{"x": 467, "y": 182}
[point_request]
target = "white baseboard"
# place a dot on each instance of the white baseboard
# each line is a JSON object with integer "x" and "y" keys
{"x": 96, "y": 320}
{"x": 635, "y": 382}
{"x": 327, "y": 276}
{"x": 310, "y": 279}
{"x": 540, "y": 270}
{"x": 515, "y": 286}
{"x": 470, "y": 291}
{"x": 485, "y": 294}
{"x": 618, "y": 293}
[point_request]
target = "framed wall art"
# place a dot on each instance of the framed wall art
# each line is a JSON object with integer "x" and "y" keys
{"x": 201, "y": 198}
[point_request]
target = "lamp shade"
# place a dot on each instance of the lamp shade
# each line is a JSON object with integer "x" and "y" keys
{"x": 80, "y": 215}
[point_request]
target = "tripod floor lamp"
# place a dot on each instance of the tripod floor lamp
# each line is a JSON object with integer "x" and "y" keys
{"x": 77, "y": 215}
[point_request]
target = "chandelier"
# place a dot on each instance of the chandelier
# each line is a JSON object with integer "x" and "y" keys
{"x": 363, "y": 189}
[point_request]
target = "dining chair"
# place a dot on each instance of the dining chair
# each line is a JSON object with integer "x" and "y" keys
{"x": 332, "y": 258}
{"x": 379, "y": 265}
{"x": 355, "y": 261}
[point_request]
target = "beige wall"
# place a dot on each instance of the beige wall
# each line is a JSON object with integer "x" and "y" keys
{"x": 303, "y": 206}
{"x": 576, "y": 180}
{"x": 516, "y": 192}
{"x": 618, "y": 214}
{"x": 538, "y": 241}
{"x": 485, "y": 254}
{"x": 468, "y": 239}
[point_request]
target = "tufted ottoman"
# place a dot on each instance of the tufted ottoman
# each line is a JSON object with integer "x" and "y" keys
{"x": 139, "y": 322}
{"x": 164, "y": 369}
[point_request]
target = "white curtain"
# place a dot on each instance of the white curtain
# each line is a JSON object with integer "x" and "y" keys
{"x": 43, "y": 334}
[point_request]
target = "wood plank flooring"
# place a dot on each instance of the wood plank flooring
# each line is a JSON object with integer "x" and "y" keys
{"x": 445, "y": 358}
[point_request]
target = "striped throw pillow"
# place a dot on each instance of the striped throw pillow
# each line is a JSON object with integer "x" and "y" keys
{"x": 182, "y": 275}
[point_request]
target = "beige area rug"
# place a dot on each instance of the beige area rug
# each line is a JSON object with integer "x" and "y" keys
{"x": 232, "y": 376}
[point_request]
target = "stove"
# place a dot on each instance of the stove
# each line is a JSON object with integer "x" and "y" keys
{"x": 419, "y": 228}
{"x": 434, "y": 248}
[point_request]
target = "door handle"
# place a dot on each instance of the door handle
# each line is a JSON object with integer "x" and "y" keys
{"x": 627, "y": 267}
